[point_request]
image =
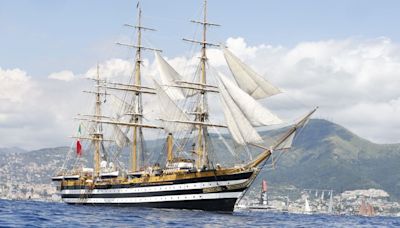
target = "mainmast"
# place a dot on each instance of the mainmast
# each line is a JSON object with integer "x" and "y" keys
{"x": 202, "y": 144}
{"x": 138, "y": 100}
{"x": 136, "y": 114}
{"x": 202, "y": 108}
{"x": 137, "y": 88}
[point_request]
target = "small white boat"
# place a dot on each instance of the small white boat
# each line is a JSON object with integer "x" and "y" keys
{"x": 109, "y": 174}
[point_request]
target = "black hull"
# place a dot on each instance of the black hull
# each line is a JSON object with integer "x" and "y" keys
{"x": 225, "y": 205}
{"x": 215, "y": 193}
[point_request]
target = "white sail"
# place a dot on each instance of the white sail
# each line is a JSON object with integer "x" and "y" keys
{"x": 170, "y": 111}
{"x": 330, "y": 206}
{"x": 121, "y": 107}
{"x": 120, "y": 138}
{"x": 255, "y": 113}
{"x": 287, "y": 144}
{"x": 239, "y": 127}
{"x": 247, "y": 79}
{"x": 307, "y": 208}
{"x": 168, "y": 77}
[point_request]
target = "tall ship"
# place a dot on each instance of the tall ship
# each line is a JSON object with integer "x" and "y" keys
{"x": 176, "y": 156}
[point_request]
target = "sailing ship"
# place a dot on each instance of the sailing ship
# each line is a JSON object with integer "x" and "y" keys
{"x": 188, "y": 177}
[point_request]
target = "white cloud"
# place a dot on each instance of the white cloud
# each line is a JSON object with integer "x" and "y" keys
{"x": 15, "y": 85}
{"x": 111, "y": 69}
{"x": 30, "y": 110}
{"x": 240, "y": 48}
{"x": 65, "y": 75}
{"x": 355, "y": 83}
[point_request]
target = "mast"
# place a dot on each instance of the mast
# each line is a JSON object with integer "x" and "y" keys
{"x": 170, "y": 146}
{"x": 202, "y": 116}
{"x": 137, "y": 88}
{"x": 202, "y": 145}
{"x": 98, "y": 135}
{"x": 138, "y": 100}
{"x": 204, "y": 47}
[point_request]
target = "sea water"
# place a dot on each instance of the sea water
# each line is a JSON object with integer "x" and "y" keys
{"x": 46, "y": 214}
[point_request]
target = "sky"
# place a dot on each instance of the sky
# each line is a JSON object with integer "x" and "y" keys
{"x": 340, "y": 55}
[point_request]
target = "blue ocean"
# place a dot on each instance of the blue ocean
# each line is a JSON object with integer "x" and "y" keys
{"x": 45, "y": 214}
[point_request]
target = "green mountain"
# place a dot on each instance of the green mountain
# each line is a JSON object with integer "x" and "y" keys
{"x": 327, "y": 156}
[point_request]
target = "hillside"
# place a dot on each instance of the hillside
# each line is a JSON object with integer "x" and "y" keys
{"x": 328, "y": 156}
{"x": 325, "y": 155}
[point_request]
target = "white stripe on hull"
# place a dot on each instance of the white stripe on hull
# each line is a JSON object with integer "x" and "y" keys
{"x": 152, "y": 199}
{"x": 199, "y": 185}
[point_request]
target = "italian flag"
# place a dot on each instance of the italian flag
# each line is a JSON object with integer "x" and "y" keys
{"x": 78, "y": 148}
{"x": 78, "y": 143}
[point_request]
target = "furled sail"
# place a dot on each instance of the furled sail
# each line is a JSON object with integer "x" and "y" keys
{"x": 170, "y": 112}
{"x": 238, "y": 125}
{"x": 254, "y": 112}
{"x": 168, "y": 77}
{"x": 247, "y": 79}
